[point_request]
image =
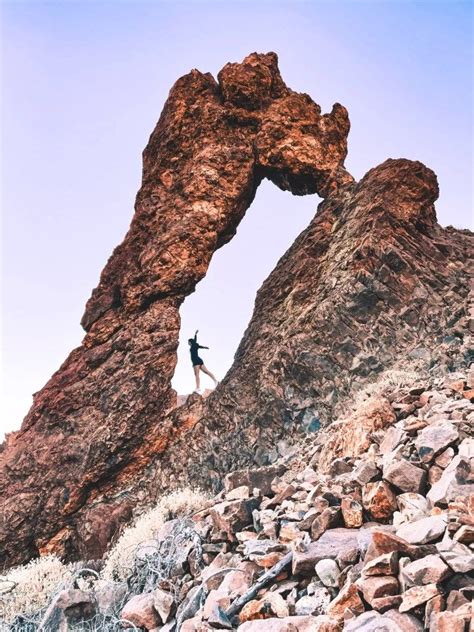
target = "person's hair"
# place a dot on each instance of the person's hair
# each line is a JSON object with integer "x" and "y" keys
{"x": 190, "y": 340}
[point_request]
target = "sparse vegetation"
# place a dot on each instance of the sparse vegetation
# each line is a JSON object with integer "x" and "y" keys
{"x": 26, "y": 591}
{"x": 119, "y": 561}
{"x": 388, "y": 381}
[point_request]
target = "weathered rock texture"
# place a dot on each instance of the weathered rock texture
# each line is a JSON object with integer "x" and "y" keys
{"x": 373, "y": 279}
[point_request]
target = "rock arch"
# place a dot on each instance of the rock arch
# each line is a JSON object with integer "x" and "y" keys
{"x": 212, "y": 146}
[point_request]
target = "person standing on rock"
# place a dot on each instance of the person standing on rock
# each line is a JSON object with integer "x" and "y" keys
{"x": 198, "y": 363}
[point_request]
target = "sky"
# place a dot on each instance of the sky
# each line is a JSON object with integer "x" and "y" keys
{"x": 82, "y": 86}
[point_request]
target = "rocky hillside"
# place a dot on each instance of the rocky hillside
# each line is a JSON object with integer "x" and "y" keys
{"x": 379, "y": 539}
{"x": 373, "y": 281}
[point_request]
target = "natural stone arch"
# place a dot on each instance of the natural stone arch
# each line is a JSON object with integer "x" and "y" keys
{"x": 212, "y": 146}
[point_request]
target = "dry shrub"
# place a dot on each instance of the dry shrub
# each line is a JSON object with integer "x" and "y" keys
{"x": 387, "y": 382}
{"x": 119, "y": 561}
{"x": 35, "y": 584}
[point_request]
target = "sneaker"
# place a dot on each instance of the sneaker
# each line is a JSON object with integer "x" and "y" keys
{"x": 198, "y": 391}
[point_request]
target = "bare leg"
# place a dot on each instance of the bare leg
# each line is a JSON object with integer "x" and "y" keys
{"x": 196, "y": 375}
{"x": 205, "y": 370}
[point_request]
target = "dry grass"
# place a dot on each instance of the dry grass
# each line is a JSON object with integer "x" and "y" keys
{"x": 27, "y": 590}
{"x": 119, "y": 561}
{"x": 33, "y": 586}
{"x": 387, "y": 382}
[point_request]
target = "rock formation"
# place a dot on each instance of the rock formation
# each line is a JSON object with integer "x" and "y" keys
{"x": 373, "y": 280}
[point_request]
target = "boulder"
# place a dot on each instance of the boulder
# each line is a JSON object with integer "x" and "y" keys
{"x": 405, "y": 476}
{"x": 417, "y": 596}
{"x": 435, "y": 438}
{"x": 270, "y": 605}
{"x": 427, "y": 570}
{"x": 379, "y": 500}
{"x": 259, "y": 477}
{"x": 140, "y": 611}
{"x": 351, "y": 513}
{"x": 232, "y": 516}
{"x": 328, "y": 572}
{"x": 347, "y": 599}
{"x": 385, "y": 564}
{"x": 375, "y": 587}
{"x": 424, "y": 530}
{"x": 292, "y": 624}
{"x": 331, "y": 544}
{"x": 391, "y": 621}
{"x": 456, "y": 480}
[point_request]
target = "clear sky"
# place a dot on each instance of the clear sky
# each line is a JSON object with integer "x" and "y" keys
{"x": 83, "y": 84}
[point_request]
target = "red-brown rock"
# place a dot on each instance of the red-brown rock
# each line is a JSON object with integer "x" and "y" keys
{"x": 373, "y": 260}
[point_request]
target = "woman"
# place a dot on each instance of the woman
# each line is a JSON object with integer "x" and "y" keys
{"x": 198, "y": 364}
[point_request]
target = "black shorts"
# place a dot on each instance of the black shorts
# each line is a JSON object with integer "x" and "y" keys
{"x": 198, "y": 362}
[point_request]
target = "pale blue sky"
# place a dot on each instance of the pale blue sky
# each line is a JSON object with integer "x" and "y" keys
{"x": 83, "y": 84}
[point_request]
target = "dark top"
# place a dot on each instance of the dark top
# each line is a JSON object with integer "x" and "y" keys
{"x": 195, "y": 359}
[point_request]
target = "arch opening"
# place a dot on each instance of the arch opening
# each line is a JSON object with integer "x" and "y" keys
{"x": 222, "y": 304}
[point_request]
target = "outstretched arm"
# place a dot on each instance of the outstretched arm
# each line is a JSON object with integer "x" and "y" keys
{"x": 196, "y": 335}
{"x": 201, "y": 347}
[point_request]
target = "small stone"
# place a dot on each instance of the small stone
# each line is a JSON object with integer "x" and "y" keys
{"x": 351, "y": 512}
{"x": 392, "y": 439}
{"x": 328, "y": 572}
{"x": 391, "y": 621}
{"x": 405, "y": 476}
{"x": 436, "y": 604}
{"x": 461, "y": 560}
{"x": 417, "y": 595}
{"x": 289, "y": 531}
{"x": 434, "y": 439}
{"x": 385, "y": 564}
{"x": 379, "y": 500}
{"x": 427, "y": 570}
{"x": 218, "y": 619}
{"x": 381, "y": 604}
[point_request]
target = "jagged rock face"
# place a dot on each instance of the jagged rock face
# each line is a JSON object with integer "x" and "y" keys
{"x": 372, "y": 278}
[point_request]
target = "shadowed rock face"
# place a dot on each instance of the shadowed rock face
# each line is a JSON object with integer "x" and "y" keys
{"x": 372, "y": 278}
